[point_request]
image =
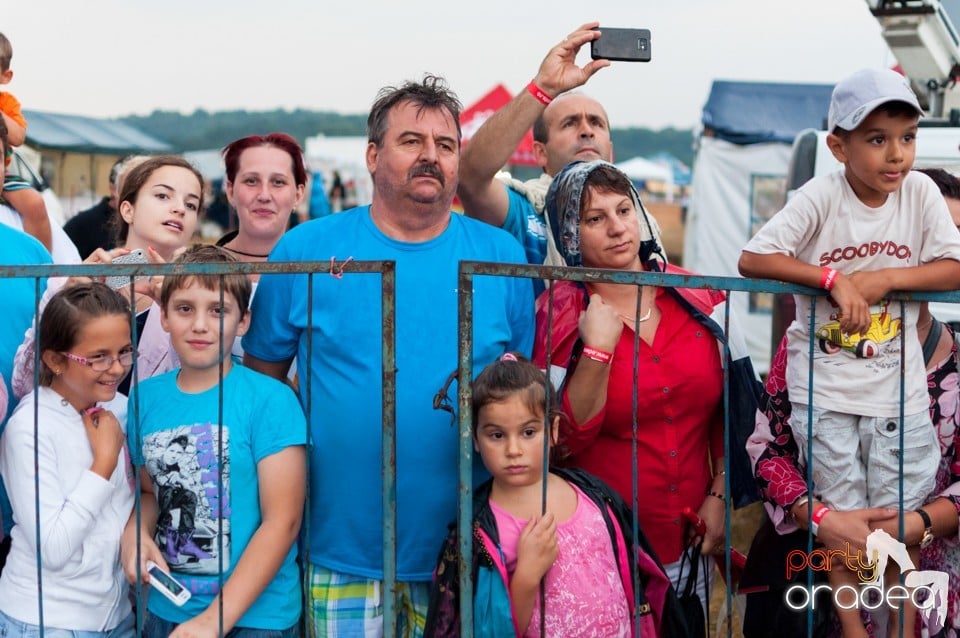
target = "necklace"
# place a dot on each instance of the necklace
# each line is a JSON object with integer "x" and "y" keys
{"x": 240, "y": 252}
{"x": 645, "y": 316}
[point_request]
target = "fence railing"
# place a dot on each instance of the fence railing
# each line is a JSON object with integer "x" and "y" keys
{"x": 468, "y": 271}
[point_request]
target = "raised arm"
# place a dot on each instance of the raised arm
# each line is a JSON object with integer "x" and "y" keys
{"x": 489, "y": 149}
{"x": 600, "y": 329}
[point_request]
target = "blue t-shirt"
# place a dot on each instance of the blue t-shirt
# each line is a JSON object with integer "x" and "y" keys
{"x": 346, "y": 533}
{"x": 19, "y": 297}
{"x": 179, "y": 442}
{"x": 525, "y": 223}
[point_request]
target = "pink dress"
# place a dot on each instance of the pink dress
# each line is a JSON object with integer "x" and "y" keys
{"x": 584, "y": 594}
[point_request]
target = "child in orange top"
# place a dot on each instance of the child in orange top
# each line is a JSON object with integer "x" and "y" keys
{"x": 16, "y": 191}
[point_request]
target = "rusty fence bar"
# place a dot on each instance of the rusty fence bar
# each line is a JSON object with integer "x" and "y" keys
{"x": 468, "y": 270}
{"x": 386, "y": 270}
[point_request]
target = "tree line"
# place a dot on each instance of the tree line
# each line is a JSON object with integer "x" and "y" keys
{"x": 206, "y": 130}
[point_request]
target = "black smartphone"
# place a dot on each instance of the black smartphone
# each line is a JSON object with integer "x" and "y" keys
{"x": 627, "y": 45}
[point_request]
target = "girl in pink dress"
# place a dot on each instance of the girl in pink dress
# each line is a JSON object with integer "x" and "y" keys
{"x": 576, "y": 541}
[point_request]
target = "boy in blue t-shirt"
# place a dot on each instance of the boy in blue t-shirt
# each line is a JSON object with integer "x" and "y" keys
{"x": 217, "y": 495}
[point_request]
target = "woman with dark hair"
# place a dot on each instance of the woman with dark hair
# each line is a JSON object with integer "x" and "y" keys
{"x": 266, "y": 178}
{"x": 598, "y": 221}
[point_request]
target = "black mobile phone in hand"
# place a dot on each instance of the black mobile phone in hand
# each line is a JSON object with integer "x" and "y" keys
{"x": 626, "y": 45}
{"x": 167, "y": 584}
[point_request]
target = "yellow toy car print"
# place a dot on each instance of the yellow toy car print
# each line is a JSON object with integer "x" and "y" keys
{"x": 866, "y": 345}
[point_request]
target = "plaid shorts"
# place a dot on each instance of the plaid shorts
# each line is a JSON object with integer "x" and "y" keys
{"x": 346, "y": 606}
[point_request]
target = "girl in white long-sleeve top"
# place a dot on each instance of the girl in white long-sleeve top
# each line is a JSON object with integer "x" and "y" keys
{"x": 82, "y": 481}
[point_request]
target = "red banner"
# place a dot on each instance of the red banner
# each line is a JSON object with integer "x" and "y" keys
{"x": 473, "y": 117}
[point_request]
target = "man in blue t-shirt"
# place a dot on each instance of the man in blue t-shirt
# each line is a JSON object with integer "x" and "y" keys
{"x": 413, "y": 157}
{"x": 566, "y": 127}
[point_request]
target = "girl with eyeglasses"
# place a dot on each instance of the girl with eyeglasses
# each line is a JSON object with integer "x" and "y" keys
{"x": 64, "y": 462}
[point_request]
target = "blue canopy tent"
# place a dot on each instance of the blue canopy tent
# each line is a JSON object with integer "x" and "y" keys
{"x": 756, "y": 112}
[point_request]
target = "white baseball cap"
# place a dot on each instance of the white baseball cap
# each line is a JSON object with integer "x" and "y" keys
{"x": 857, "y": 96}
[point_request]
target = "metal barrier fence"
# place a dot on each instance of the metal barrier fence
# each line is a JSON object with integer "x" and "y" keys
{"x": 468, "y": 271}
{"x": 386, "y": 271}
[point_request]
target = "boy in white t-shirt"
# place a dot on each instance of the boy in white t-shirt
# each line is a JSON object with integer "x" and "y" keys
{"x": 874, "y": 228}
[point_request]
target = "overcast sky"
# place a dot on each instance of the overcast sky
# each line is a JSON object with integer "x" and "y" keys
{"x": 112, "y": 57}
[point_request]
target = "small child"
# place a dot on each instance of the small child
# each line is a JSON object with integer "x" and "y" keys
{"x": 860, "y": 234}
{"x": 217, "y": 495}
{"x": 578, "y": 543}
{"x": 83, "y": 474}
{"x": 17, "y": 192}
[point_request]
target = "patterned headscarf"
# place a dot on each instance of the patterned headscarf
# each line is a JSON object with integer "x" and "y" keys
{"x": 563, "y": 212}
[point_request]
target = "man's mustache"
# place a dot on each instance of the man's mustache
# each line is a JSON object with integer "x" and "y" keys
{"x": 427, "y": 169}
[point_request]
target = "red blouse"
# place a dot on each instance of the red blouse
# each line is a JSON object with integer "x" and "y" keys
{"x": 679, "y": 413}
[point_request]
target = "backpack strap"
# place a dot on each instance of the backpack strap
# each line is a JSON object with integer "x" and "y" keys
{"x": 933, "y": 338}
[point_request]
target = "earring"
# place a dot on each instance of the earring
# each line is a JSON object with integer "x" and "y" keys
{"x": 57, "y": 372}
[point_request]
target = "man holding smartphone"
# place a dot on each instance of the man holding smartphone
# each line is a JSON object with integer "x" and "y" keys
{"x": 566, "y": 127}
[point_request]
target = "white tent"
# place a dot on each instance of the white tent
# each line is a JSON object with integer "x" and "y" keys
{"x": 640, "y": 169}
{"x": 739, "y": 176}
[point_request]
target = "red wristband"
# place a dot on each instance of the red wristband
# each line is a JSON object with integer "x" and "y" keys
{"x": 827, "y": 276}
{"x": 538, "y": 93}
{"x": 597, "y": 355}
{"x": 816, "y": 517}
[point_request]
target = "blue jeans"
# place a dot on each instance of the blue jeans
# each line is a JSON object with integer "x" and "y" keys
{"x": 156, "y": 627}
{"x": 13, "y": 628}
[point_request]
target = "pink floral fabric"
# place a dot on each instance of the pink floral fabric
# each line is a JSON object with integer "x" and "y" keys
{"x": 781, "y": 478}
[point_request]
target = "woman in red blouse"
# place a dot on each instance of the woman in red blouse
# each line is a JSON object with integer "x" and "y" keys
{"x": 597, "y": 221}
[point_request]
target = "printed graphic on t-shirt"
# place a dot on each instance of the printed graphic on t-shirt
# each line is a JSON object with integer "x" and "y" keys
{"x": 867, "y": 249}
{"x": 182, "y": 464}
{"x": 866, "y": 345}
{"x": 536, "y": 227}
